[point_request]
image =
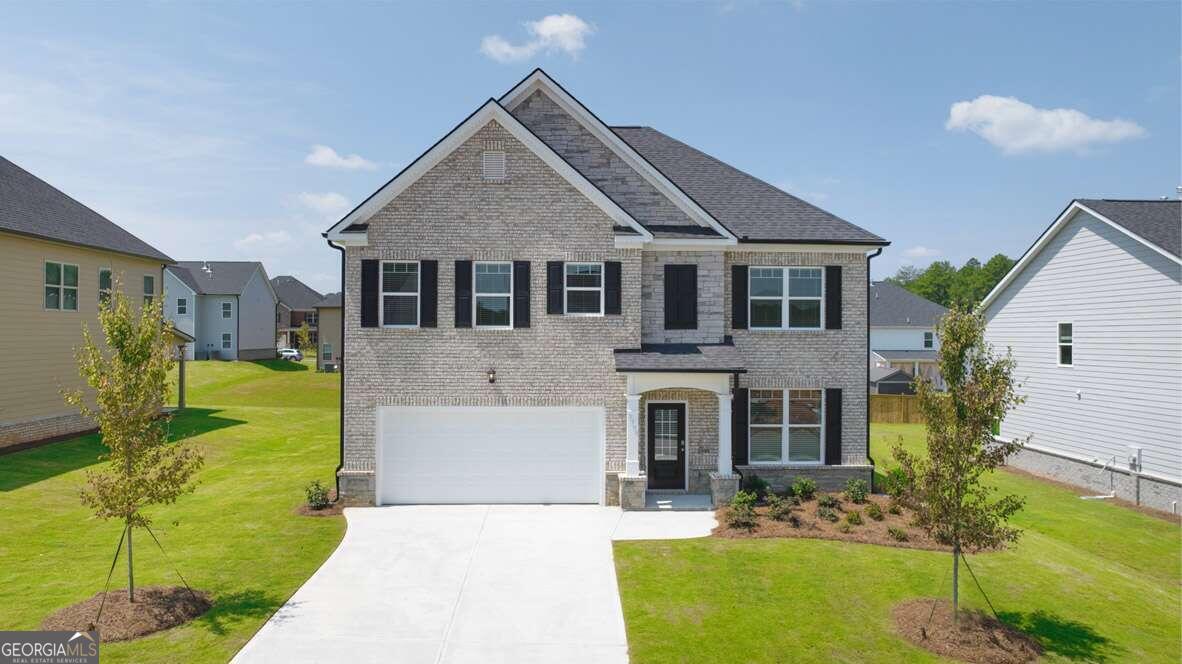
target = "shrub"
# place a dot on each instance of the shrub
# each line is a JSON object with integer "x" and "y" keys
{"x": 317, "y": 495}
{"x": 826, "y": 513}
{"x": 756, "y": 485}
{"x": 741, "y": 516}
{"x": 779, "y": 508}
{"x": 744, "y": 499}
{"x": 896, "y": 482}
{"x": 843, "y": 527}
{"x": 874, "y": 512}
{"x": 794, "y": 520}
{"x": 897, "y": 534}
{"x": 856, "y": 490}
{"x": 854, "y": 518}
{"x": 829, "y": 500}
{"x": 895, "y": 509}
{"x": 804, "y": 488}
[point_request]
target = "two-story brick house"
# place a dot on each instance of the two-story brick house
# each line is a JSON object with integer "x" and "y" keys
{"x": 543, "y": 308}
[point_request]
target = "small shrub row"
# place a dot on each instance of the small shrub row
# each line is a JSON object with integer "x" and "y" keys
{"x": 856, "y": 491}
{"x": 829, "y": 500}
{"x": 874, "y": 512}
{"x": 897, "y": 534}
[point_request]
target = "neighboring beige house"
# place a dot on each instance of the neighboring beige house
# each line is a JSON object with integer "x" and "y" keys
{"x": 329, "y": 351}
{"x": 60, "y": 259}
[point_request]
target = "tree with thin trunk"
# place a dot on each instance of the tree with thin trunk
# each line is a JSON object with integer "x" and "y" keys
{"x": 944, "y": 487}
{"x": 128, "y": 373}
{"x": 304, "y": 336}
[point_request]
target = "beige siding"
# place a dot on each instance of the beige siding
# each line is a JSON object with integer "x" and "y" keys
{"x": 38, "y": 344}
{"x": 330, "y": 333}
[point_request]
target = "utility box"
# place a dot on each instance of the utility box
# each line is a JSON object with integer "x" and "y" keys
{"x": 1134, "y": 458}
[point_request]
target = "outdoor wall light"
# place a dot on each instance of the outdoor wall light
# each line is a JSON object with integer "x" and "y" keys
{"x": 492, "y": 375}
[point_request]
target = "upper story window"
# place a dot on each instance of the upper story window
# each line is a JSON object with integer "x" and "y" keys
{"x": 929, "y": 339}
{"x": 182, "y": 306}
{"x": 797, "y": 440}
{"x": 1066, "y": 344}
{"x": 492, "y": 165}
{"x": 584, "y": 289}
{"x": 227, "y": 309}
{"x": 312, "y": 318}
{"x": 104, "y": 289}
{"x": 227, "y": 340}
{"x": 400, "y": 294}
{"x": 149, "y": 288}
{"x": 493, "y": 290}
{"x": 61, "y": 286}
{"x": 786, "y": 298}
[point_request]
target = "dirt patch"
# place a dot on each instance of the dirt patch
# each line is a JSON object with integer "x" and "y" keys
{"x": 978, "y": 638}
{"x": 811, "y": 526}
{"x": 335, "y": 507}
{"x": 1082, "y": 491}
{"x": 155, "y": 608}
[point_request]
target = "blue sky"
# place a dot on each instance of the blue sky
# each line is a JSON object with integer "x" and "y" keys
{"x": 195, "y": 126}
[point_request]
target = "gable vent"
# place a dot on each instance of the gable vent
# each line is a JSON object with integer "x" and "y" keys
{"x": 493, "y": 163}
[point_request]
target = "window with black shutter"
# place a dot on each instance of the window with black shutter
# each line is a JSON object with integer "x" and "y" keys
{"x": 463, "y": 294}
{"x": 554, "y": 286}
{"x": 429, "y": 293}
{"x": 738, "y": 297}
{"x": 520, "y": 293}
{"x": 833, "y": 426}
{"x": 370, "y": 293}
{"x": 833, "y": 297}
{"x": 739, "y": 428}
{"x": 681, "y": 297}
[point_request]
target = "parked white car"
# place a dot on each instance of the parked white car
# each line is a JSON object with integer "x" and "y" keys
{"x": 291, "y": 354}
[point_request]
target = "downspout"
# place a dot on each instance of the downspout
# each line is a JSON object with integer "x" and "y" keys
{"x": 866, "y": 385}
{"x": 341, "y": 459}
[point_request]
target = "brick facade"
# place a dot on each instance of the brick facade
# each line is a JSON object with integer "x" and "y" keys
{"x": 45, "y": 428}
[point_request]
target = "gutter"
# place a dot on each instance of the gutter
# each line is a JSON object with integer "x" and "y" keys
{"x": 866, "y": 385}
{"x": 341, "y": 458}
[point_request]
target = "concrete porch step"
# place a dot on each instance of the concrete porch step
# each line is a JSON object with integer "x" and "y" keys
{"x": 677, "y": 501}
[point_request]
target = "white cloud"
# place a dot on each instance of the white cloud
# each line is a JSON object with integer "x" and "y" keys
{"x": 556, "y": 32}
{"x": 322, "y": 155}
{"x": 330, "y": 204}
{"x": 920, "y": 251}
{"x": 253, "y": 242}
{"x": 1017, "y": 127}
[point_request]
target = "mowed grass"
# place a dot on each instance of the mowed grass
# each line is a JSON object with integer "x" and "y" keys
{"x": 266, "y": 429}
{"x": 1092, "y": 581}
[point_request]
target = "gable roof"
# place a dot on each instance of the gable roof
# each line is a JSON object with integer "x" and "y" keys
{"x": 295, "y": 294}
{"x": 223, "y": 277}
{"x": 31, "y": 206}
{"x": 752, "y": 209}
{"x": 894, "y": 306}
{"x": 330, "y": 300}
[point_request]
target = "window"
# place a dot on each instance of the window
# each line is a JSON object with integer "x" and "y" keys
{"x": 493, "y": 290}
{"x": 584, "y": 288}
{"x": 104, "y": 290}
{"x": 61, "y": 286}
{"x": 1066, "y": 344}
{"x": 149, "y": 288}
{"x": 312, "y": 318}
{"x": 928, "y": 339}
{"x": 492, "y": 164}
{"x": 400, "y": 294}
{"x": 785, "y": 298}
{"x": 798, "y": 440}
{"x": 227, "y": 309}
{"x": 326, "y": 352}
{"x": 227, "y": 340}
{"x": 182, "y": 306}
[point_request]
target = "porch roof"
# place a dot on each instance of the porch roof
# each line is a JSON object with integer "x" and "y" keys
{"x": 908, "y": 355}
{"x": 691, "y": 358}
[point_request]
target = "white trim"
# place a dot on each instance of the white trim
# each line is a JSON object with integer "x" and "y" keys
{"x": 226, "y": 310}
{"x": 382, "y": 295}
{"x": 61, "y": 287}
{"x": 1059, "y": 344}
{"x": 639, "y": 382}
{"x": 490, "y": 111}
{"x": 539, "y": 80}
{"x": 149, "y": 297}
{"x": 177, "y": 306}
{"x": 1066, "y": 217}
{"x": 475, "y": 296}
{"x": 785, "y": 299}
{"x": 224, "y": 341}
{"x": 602, "y": 290}
{"x": 685, "y": 443}
{"x": 786, "y": 427}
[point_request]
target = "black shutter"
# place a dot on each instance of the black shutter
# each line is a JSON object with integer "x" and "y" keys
{"x": 833, "y": 297}
{"x": 463, "y": 293}
{"x": 611, "y": 287}
{"x": 428, "y": 293}
{"x": 738, "y": 297}
{"x": 554, "y": 277}
{"x": 739, "y": 427}
{"x": 520, "y": 293}
{"x": 681, "y": 297}
{"x": 833, "y": 426}
{"x": 370, "y": 292}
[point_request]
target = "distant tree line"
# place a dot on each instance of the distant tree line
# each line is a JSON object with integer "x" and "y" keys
{"x": 946, "y": 285}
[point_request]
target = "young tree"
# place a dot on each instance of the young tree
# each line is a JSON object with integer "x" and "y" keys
{"x": 304, "y": 336}
{"x": 129, "y": 373}
{"x": 945, "y": 489}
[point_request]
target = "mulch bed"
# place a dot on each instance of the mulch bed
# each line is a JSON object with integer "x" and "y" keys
{"x": 155, "y": 608}
{"x": 814, "y": 527}
{"x": 335, "y": 507}
{"x": 979, "y": 638}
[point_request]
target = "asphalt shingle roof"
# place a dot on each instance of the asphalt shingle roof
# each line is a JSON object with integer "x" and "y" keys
{"x": 223, "y": 278}
{"x": 31, "y": 206}
{"x": 907, "y": 355}
{"x": 892, "y": 305}
{"x": 751, "y": 208}
{"x": 1159, "y": 222}
{"x": 295, "y": 294}
{"x": 719, "y": 358}
{"x": 330, "y": 300}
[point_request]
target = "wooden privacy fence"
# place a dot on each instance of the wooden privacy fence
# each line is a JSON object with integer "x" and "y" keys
{"x": 895, "y": 409}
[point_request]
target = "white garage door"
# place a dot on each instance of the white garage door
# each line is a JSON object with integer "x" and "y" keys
{"x": 490, "y": 455}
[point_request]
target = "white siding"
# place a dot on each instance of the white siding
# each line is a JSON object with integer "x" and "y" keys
{"x": 900, "y": 338}
{"x": 257, "y": 324}
{"x": 1125, "y": 303}
{"x": 175, "y": 288}
{"x": 211, "y": 326}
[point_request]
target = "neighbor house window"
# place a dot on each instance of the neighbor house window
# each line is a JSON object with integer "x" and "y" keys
{"x": 785, "y": 298}
{"x": 182, "y": 306}
{"x": 493, "y": 290}
{"x": 149, "y": 288}
{"x": 779, "y": 439}
{"x": 400, "y": 294}
{"x": 928, "y": 339}
{"x": 1066, "y": 344}
{"x": 227, "y": 309}
{"x": 104, "y": 289}
{"x": 312, "y": 318}
{"x": 326, "y": 352}
{"x": 61, "y": 286}
{"x": 584, "y": 288}
{"x": 227, "y": 340}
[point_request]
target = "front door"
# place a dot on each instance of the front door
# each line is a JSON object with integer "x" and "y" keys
{"x": 666, "y": 446}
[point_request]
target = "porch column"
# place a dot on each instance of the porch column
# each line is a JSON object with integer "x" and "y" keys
{"x": 725, "y": 462}
{"x": 632, "y": 450}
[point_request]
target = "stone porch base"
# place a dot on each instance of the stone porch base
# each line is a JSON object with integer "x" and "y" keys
{"x": 828, "y": 478}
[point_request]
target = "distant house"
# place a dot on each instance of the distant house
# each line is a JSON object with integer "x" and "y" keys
{"x": 885, "y": 380}
{"x": 1093, "y": 315}
{"x": 903, "y": 331}
{"x": 227, "y": 306}
{"x": 329, "y": 314}
{"x": 297, "y": 305}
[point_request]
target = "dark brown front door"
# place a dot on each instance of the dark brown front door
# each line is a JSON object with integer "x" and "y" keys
{"x": 666, "y": 446}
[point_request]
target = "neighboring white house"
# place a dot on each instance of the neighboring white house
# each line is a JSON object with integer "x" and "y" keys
{"x": 1093, "y": 315}
{"x": 227, "y": 306}
{"x": 903, "y": 333}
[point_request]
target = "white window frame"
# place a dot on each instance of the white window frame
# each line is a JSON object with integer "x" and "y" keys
{"x": 326, "y": 350}
{"x": 786, "y": 427}
{"x": 182, "y": 306}
{"x": 383, "y": 293}
{"x": 786, "y": 298}
{"x": 312, "y": 318}
{"x": 1059, "y": 344}
{"x": 227, "y": 340}
{"x": 602, "y": 287}
{"x": 149, "y": 297}
{"x": 475, "y": 296}
{"x": 929, "y": 339}
{"x": 61, "y": 287}
{"x": 111, "y": 278}
{"x": 227, "y": 310}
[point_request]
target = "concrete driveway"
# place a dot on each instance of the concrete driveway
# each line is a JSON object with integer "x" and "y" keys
{"x": 469, "y": 583}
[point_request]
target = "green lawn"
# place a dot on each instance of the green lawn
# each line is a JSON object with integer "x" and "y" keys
{"x": 266, "y": 429}
{"x": 1093, "y": 581}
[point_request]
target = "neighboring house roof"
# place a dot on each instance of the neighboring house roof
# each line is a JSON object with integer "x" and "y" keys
{"x": 705, "y": 358}
{"x": 31, "y": 206}
{"x": 752, "y": 209}
{"x": 908, "y": 355}
{"x": 892, "y": 305}
{"x": 894, "y": 376}
{"x": 222, "y": 278}
{"x": 295, "y": 294}
{"x": 878, "y": 373}
{"x": 330, "y": 300}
